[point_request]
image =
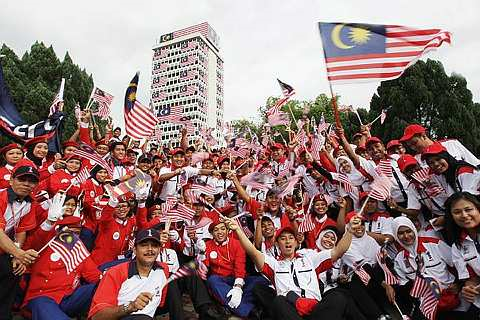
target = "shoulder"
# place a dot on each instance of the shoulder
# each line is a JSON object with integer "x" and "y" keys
{"x": 380, "y": 214}
{"x": 428, "y": 240}
{"x": 465, "y": 169}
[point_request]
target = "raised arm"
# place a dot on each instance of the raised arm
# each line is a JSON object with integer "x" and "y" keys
{"x": 241, "y": 191}
{"x": 256, "y": 256}
{"x": 347, "y": 147}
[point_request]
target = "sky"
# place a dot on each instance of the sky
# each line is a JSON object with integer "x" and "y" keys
{"x": 259, "y": 41}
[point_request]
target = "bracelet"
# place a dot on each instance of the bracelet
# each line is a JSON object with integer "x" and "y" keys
{"x": 126, "y": 307}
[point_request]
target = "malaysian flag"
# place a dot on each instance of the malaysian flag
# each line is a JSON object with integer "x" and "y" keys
{"x": 81, "y": 176}
{"x": 306, "y": 224}
{"x": 158, "y": 81}
{"x": 423, "y": 176}
{"x": 289, "y": 186}
{"x": 362, "y": 273}
{"x": 365, "y": 52}
{"x": 187, "y": 90}
{"x": 90, "y": 154}
{"x": 169, "y": 203}
{"x": 58, "y": 99}
{"x": 277, "y": 106}
{"x": 185, "y": 61}
{"x": 104, "y": 100}
{"x": 257, "y": 180}
{"x": 206, "y": 134}
{"x": 70, "y": 248}
{"x": 139, "y": 120}
{"x": 278, "y": 119}
{"x": 188, "y": 45}
{"x": 428, "y": 291}
{"x": 345, "y": 183}
{"x": 316, "y": 147}
{"x": 381, "y": 188}
{"x": 206, "y": 189}
{"x": 180, "y": 212}
{"x": 240, "y": 220}
{"x": 242, "y": 153}
{"x": 201, "y": 28}
{"x": 384, "y": 167}
{"x": 187, "y": 75}
{"x": 287, "y": 89}
{"x": 322, "y": 125}
{"x": 390, "y": 278}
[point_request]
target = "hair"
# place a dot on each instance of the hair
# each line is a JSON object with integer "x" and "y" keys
{"x": 453, "y": 230}
{"x": 116, "y": 143}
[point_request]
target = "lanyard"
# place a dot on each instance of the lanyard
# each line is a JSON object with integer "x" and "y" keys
{"x": 295, "y": 280}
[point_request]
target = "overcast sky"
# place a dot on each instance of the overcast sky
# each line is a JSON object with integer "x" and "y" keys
{"x": 259, "y": 40}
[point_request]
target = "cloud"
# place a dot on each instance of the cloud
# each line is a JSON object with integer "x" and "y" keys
{"x": 260, "y": 40}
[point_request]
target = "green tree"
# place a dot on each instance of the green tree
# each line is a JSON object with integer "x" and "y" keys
{"x": 34, "y": 81}
{"x": 425, "y": 94}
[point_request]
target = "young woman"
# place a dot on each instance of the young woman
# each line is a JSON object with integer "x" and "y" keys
{"x": 318, "y": 215}
{"x": 37, "y": 151}
{"x": 10, "y": 155}
{"x": 63, "y": 179}
{"x": 462, "y": 220}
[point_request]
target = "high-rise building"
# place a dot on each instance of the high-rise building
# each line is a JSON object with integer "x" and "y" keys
{"x": 187, "y": 78}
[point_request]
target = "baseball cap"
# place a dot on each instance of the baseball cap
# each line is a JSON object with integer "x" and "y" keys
{"x": 372, "y": 140}
{"x": 25, "y": 168}
{"x": 277, "y": 146}
{"x": 9, "y": 147}
{"x": 147, "y": 234}
{"x": 433, "y": 149}
{"x": 144, "y": 158}
{"x": 351, "y": 215}
{"x": 405, "y": 161}
{"x": 412, "y": 130}
{"x": 393, "y": 143}
{"x": 177, "y": 151}
{"x": 286, "y": 229}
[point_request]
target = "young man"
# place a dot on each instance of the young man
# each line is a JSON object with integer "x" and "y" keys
{"x": 294, "y": 276}
{"x": 415, "y": 137}
{"x": 136, "y": 288}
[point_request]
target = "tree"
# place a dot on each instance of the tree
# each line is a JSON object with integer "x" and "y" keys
{"x": 35, "y": 79}
{"x": 425, "y": 94}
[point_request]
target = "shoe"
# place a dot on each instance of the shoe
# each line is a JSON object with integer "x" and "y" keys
{"x": 209, "y": 312}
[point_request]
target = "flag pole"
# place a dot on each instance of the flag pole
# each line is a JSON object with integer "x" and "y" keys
{"x": 360, "y": 212}
{"x": 336, "y": 114}
{"x": 90, "y": 99}
{"x": 379, "y": 116}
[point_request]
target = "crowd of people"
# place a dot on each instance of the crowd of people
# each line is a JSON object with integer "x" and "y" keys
{"x": 282, "y": 232}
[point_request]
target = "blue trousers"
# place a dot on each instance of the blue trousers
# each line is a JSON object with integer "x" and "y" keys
{"x": 220, "y": 286}
{"x": 45, "y": 308}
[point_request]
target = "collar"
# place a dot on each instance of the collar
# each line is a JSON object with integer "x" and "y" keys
{"x": 282, "y": 258}
{"x": 9, "y": 167}
{"x": 133, "y": 270}
{"x": 121, "y": 222}
{"x": 12, "y": 197}
{"x": 224, "y": 243}
{"x": 322, "y": 219}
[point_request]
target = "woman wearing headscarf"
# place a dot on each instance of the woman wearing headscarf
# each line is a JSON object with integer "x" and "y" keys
{"x": 358, "y": 178}
{"x": 317, "y": 212}
{"x": 10, "y": 155}
{"x": 423, "y": 258}
{"x": 37, "y": 151}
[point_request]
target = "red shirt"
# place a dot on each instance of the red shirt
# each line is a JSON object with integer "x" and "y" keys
{"x": 311, "y": 236}
{"x": 226, "y": 259}
{"x": 92, "y": 203}
{"x": 5, "y": 174}
{"x": 59, "y": 180}
{"x": 49, "y": 277}
{"x": 113, "y": 236}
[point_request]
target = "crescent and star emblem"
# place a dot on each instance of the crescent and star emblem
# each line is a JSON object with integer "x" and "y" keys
{"x": 357, "y": 36}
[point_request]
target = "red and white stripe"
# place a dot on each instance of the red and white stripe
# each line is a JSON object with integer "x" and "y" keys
{"x": 96, "y": 158}
{"x": 81, "y": 176}
{"x": 187, "y": 90}
{"x": 428, "y": 302}
{"x": 58, "y": 99}
{"x": 381, "y": 188}
{"x": 140, "y": 122}
{"x": 207, "y": 189}
{"x": 390, "y": 278}
{"x": 384, "y": 167}
{"x": 404, "y": 46}
{"x": 201, "y": 28}
{"x": 362, "y": 274}
{"x": 190, "y": 59}
{"x": 71, "y": 258}
{"x": 306, "y": 224}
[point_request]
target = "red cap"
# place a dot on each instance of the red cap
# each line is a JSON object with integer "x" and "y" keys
{"x": 358, "y": 134}
{"x": 70, "y": 221}
{"x": 412, "y": 130}
{"x": 277, "y": 146}
{"x": 25, "y": 167}
{"x": 360, "y": 149}
{"x": 406, "y": 161}
{"x": 130, "y": 150}
{"x": 351, "y": 215}
{"x": 9, "y": 147}
{"x": 222, "y": 159}
{"x": 70, "y": 144}
{"x": 73, "y": 156}
{"x": 214, "y": 223}
{"x": 393, "y": 143}
{"x": 154, "y": 207}
{"x": 101, "y": 142}
{"x": 177, "y": 151}
{"x": 288, "y": 229}
{"x": 372, "y": 140}
{"x": 34, "y": 141}
{"x": 433, "y": 149}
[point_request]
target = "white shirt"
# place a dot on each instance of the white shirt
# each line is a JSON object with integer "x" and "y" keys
{"x": 171, "y": 186}
{"x": 283, "y": 273}
{"x": 202, "y": 233}
{"x": 170, "y": 258}
{"x": 457, "y": 150}
{"x": 464, "y": 255}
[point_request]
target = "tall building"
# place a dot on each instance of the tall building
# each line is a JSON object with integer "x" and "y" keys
{"x": 187, "y": 78}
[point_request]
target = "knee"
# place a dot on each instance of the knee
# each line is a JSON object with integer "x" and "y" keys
{"x": 213, "y": 280}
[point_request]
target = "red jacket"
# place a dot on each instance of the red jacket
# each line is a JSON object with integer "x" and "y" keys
{"x": 226, "y": 259}
{"x": 311, "y": 236}
{"x": 49, "y": 277}
{"x": 93, "y": 192}
{"x": 59, "y": 180}
{"x": 113, "y": 236}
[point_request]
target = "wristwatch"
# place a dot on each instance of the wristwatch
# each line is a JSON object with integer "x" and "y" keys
{"x": 126, "y": 308}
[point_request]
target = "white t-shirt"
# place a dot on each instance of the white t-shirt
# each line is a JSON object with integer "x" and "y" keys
{"x": 171, "y": 186}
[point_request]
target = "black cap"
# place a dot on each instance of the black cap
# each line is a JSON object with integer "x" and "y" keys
{"x": 24, "y": 171}
{"x": 144, "y": 158}
{"x": 146, "y": 234}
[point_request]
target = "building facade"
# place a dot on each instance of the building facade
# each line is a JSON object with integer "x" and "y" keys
{"x": 187, "y": 80}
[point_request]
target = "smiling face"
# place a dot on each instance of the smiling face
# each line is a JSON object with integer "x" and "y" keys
{"x": 219, "y": 233}
{"x": 69, "y": 207}
{"x": 69, "y": 150}
{"x": 73, "y": 165}
{"x": 102, "y": 149}
{"x": 23, "y": 186}
{"x": 320, "y": 207}
{"x": 13, "y": 156}
{"x": 328, "y": 240}
{"x": 406, "y": 236}
{"x": 376, "y": 151}
{"x": 178, "y": 160}
{"x": 268, "y": 229}
{"x": 119, "y": 152}
{"x": 287, "y": 243}
{"x": 344, "y": 166}
{"x": 272, "y": 203}
{"x": 101, "y": 175}
{"x": 437, "y": 164}
{"x": 121, "y": 211}
{"x": 418, "y": 142}
{"x": 277, "y": 154}
{"x": 465, "y": 214}
{"x": 40, "y": 150}
{"x": 144, "y": 166}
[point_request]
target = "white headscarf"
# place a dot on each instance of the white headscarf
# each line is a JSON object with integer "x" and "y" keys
{"x": 318, "y": 242}
{"x": 405, "y": 222}
{"x": 355, "y": 176}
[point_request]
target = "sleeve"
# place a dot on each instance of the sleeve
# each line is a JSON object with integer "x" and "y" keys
{"x": 269, "y": 267}
{"x": 252, "y": 207}
{"x": 459, "y": 263}
{"x": 445, "y": 252}
{"x": 3, "y": 208}
{"x": 191, "y": 171}
{"x": 175, "y": 263}
{"x": 399, "y": 270}
{"x": 368, "y": 166}
{"x": 466, "y": 154}
{"x": 326, "y": 163}
{"x": 239, "y": 263}
{"x": 85, "y": 134}
{"x": 90, "y": 271}
{"x": 321, "y": 260}
{"x": 107, "y": 292}
{"x": 413, "y": 196}
{"x": 387, "y": 226}
{"x": 469, "y": 180}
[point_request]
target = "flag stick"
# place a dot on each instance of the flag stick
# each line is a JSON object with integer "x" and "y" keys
{"x": 358, "y": 116}
{"x": 293, "y": 116}
{"x": 338, "y": 123}
{"x": 379, "y": 116}
{"x": 90, "y": 99}
{"x": 47, "y": 244}
{"x": 400, "y": 311}
{"x": 360, "y": 213}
